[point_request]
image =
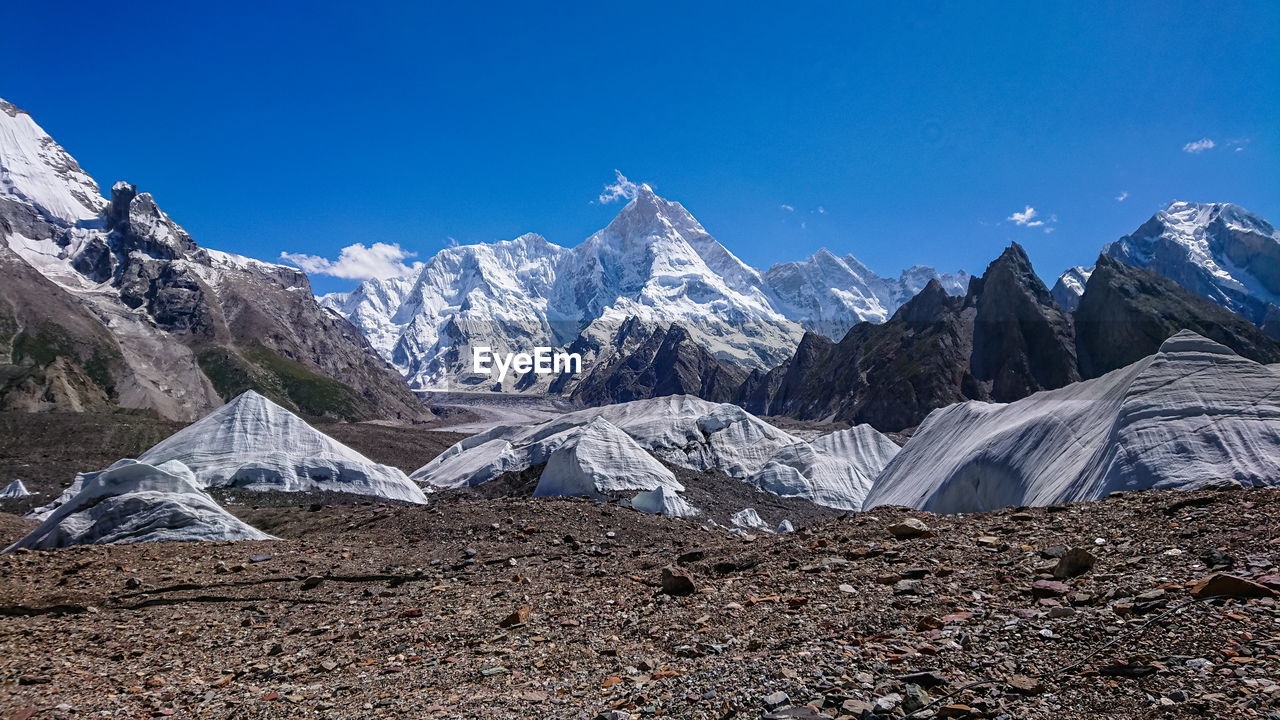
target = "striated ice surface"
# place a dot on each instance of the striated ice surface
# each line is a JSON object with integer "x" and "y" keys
{"x": 133, "y": 502}
{"x": 835, "y": 470}
{"x": 1193, "y": 414}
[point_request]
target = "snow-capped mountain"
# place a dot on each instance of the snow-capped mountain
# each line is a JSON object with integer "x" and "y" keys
{"x": 36, "y": 171}
{"x": 653, "y": 262}
{"x": 828, "y": 294}
{"x": 1220, "y": 251}
{"x": 1070, "y": 286}
{"x": 110, "y": 303}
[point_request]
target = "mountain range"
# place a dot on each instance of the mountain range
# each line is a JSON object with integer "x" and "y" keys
{"x": 1004, "y": 340}
{"x": 654, "y": 262}
{"x": 110, "y": 304}
{"x": 1219, "y": 251}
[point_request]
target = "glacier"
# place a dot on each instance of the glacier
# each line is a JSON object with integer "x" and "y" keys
{"x": 1194, "y": 414}
{"x": 15, "y": 489}
{"x": 749, "y": 519}
{"x": 133, "y": 502}
{"x": 664, "y": 501}
{"x": 253, "y": 444}
{"x": 600, "y": 461}
{"x": 618, "y": 444}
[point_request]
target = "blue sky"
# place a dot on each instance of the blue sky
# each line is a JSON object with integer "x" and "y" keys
{"x": 307, "y": 127}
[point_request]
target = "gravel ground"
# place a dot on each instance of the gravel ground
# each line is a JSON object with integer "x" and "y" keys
{"x": 519, "y": 608}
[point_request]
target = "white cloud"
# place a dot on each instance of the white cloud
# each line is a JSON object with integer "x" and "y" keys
{"x": 356, "y": 262}
{"x": 1236, "y": 144}
{"x": 1026, "y": 218}
{"x": 1049, "y": 230}
{"x": 1124, "y": 195}
{"x": 1199, "y": 146}
{"x": 621, "y": 189}
{"x": 822, "y": 210}
{"x": 788, "y": 208}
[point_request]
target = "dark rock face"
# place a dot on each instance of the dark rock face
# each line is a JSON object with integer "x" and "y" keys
{"x": 54, "y": 353}
{"x": 1022, "y": 341}
{"x": 1004, "y": 339}
{"x": 210, "y": 328}
{"x": 666, "y": 362}
{"x": 1126, "y": 312}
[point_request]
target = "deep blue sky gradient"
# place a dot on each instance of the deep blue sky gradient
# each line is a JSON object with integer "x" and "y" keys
{"x": 310, "y": 126}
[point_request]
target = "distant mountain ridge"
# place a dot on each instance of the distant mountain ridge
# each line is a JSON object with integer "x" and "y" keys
{"x": 108, "y": 304}
{"x": 654, "y": 262}
{"x": 1219, "y": 251}
{"x": 1007, "y": 338}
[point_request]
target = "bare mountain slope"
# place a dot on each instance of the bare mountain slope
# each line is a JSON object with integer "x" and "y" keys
{"x": 112, "y": 304}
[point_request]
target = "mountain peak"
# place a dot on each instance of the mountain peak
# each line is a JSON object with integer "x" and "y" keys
{"x": 1220, "y": 251}
{"x": 38, "y": 172}
{"x": 10, "y": 109}
{"x": 647, "y": 212}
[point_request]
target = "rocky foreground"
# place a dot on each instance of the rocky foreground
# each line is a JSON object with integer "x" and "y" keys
{"x": 505, "y": 608}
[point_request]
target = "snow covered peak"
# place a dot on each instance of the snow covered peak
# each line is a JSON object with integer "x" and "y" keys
{"x": 1070, "y": 286}
{"x": 1220, "y": 251}
{"x": 828, "y": 294}
{"x": 653, "y": 262}
{"x": 37, "y": 171}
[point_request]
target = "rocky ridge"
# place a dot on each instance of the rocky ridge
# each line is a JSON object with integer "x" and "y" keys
{"x": 111, "y": 304}
{"x": 1004, "y": 340}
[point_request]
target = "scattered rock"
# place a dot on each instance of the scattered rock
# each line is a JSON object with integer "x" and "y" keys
{"x": 1074, "y": 562}
{"x": 1230, "y": 586}
{"x": 776, "y": 700}
{"x": 518, "y": 617}
{"x": 692, "y": 556}
{"x": 677, "y": 581}
{"x": 908, "y": 528}
{"x": 1049, "y": 588}
{"x": 924, "y": 678}
{"x": 1025, "y": 685}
